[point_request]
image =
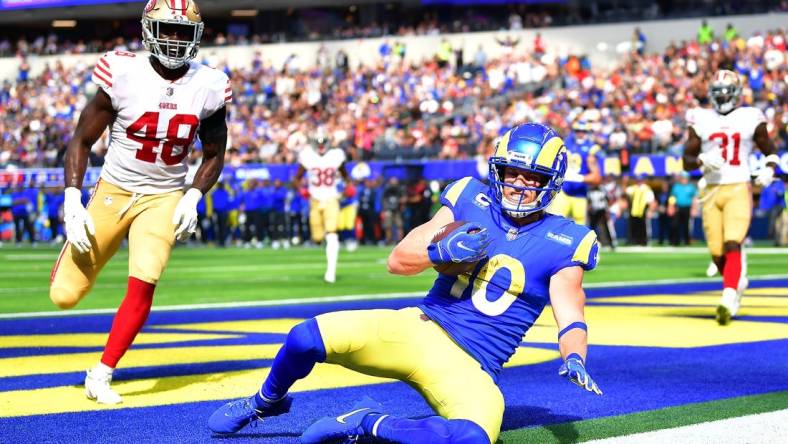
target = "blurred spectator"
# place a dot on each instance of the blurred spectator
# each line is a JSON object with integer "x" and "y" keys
{"x": 731, "y": 33}
{"x": 640, "y": 201}
{"x": 666, "y": 210}
{"x": 369, "y": 210}
{"x": 684, "y": 193}
{"x": 599, "y": 220}
{"x": 393, "y": 200}
{"x": 772, "y": 204}
{"x": 24, "y": 201}
{"x": 222, "y": 205}
{"x": 705, "y": 33}
{"x": 278, "y": 220}
{"x": 54, "y": 203}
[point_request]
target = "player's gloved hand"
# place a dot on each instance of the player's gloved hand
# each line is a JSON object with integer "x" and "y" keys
{"x": 573, "y": 176}
{"x": 574, "y": 369}
{"x": 77, "y": 220}
{"x": 468, "y": 243}
{"x": 765, "y": 176}
{"x": 349, "y": 191}
{"x": 712, "y": 160}
{"x": 304, "y": 192}
{"x": 185, "y": 216}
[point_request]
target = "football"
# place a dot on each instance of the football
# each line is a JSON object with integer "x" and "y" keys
{"x": 452, "y": 268}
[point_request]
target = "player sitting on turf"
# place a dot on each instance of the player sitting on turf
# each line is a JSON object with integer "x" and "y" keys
{"x": 452, "y": 347}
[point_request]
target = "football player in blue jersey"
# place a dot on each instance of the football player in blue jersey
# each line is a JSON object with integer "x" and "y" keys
{"x": 451, "y": 348}
{"x": 582, "y": 172}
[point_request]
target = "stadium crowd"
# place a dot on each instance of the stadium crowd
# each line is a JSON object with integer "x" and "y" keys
{"x": 451, "y": 107}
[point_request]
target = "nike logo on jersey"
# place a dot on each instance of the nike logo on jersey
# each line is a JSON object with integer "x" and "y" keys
{"x": 341, "y": 419}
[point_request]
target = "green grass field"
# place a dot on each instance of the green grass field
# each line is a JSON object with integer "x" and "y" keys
{"x": 212, "y": 275}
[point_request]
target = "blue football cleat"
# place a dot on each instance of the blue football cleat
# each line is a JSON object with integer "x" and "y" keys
{"x": 235, "y": 415}
{"x": 346, "y": 427}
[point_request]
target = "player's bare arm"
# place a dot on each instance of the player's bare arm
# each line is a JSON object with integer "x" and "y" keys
{"x": 568, "y": 301}
{"x": 765, "y": 144}
{"x": 691, "y": 151}
{"x": 213, "y": 135}
{"x": 594, "y": 177}
{"x": 95, "y": 118}
{"x": 409, "y": 257}
{"x": 299, "y": 176}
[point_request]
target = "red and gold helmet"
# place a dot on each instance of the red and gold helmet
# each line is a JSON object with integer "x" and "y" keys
{"x": 171, "y": 31}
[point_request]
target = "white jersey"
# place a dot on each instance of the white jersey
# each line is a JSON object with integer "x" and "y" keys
{"x": 156, "y": 121}
{"x": 733, "y": 133}
{"x": 323, "y": 172}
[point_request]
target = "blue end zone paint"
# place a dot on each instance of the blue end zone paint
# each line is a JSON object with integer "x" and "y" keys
{"x": 634, "y": 379}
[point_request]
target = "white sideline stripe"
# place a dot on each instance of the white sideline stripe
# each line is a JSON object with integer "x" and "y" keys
{"x": 760, "y": 428}
{"x": 344, "y": 298}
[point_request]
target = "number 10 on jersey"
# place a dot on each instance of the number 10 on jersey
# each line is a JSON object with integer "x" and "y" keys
{"x": 148, "y": 124}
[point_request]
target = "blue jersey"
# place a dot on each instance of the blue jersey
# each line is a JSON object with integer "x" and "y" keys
{"x": 577, "y": 163}
{"x": 488, "y": 311}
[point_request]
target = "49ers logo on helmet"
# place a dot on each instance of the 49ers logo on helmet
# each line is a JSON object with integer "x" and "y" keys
{"x": 151, "y": 4}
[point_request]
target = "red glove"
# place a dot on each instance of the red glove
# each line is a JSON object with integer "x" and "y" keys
{"x": 350, "y": 190}
{"x": 304, "y": 192}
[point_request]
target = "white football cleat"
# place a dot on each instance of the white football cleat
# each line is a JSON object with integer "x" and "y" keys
{"x": 729, "y": 306}
{"x": 330, "y": 277}
{"x": 711, "y": 270}
{"x": 97, "y": 387}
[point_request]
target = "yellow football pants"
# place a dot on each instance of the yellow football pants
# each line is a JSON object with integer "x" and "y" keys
{"x": 405, "y": 345}
{"x": 347, "y": 217}
{"x": 575, "y": 208}
{"x": 727, "y": 212}
{"x": 148, "y": 221}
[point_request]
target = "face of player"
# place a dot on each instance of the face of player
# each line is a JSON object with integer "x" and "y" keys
{"x": 522, "y": 178}
{"x": 172, "y": 31}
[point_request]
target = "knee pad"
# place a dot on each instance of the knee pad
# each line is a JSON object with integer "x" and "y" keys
{"x": 63, "y": 298}
{"x": 304, "y": 339}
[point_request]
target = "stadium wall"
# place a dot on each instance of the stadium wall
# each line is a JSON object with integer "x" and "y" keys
{"x": 602, "y": 43}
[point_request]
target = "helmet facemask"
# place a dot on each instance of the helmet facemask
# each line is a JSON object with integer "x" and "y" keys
{"x": 174, "y": 42}
{"x": 550, "y": 182}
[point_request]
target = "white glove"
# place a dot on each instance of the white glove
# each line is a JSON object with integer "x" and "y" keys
{"x": 712, "y": 160}
{"x": 185, "y": 216}
{"x": 573, "y": 176}
{"x": 77, "y": 220}
{"x": 765, "y": 176}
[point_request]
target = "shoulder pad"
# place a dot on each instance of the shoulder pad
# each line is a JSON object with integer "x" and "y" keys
{"x": 452, "y": 193}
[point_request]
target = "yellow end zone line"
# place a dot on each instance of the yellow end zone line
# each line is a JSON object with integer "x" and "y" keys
{"x": 345, "y": 298}
{"x": 195, "y": 388}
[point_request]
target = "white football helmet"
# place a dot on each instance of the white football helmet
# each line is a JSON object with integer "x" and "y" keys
{"x": 171, "y": 31}
{"x": 724, "y": 91}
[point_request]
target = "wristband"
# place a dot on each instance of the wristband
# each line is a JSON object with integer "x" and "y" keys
{"x": 572, "y": 326}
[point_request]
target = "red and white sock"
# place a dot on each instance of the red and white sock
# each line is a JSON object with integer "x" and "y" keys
{"x": 131, "y": 316}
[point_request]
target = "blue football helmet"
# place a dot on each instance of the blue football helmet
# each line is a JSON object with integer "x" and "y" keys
{"x": 531, "y": 147}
